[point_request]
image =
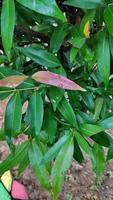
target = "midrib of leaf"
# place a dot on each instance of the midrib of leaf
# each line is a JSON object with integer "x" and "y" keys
{"x": 3, "y": 75}
{"x": 8, "y": 11}
{"x": 13, "y": 117}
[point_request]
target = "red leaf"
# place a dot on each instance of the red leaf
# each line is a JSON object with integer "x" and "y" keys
{"x": 19, "y": 191}
{"x": 12, "y": 81}
{"x": 56, "y": 80}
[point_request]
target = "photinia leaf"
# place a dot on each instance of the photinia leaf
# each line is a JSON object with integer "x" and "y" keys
{"x": 55, "y": 80}
{"x": 67, "y": 112}
{"x": 60, "y": 34}
{"x": 42, "y": 7}
{"x": 56, "y": 95}
{"x": 108, "y": 16}
{"x": 86, "y": 4}
{"x": 12, "y": 81}
{"x": 13, "y": 116}
{"x": 53, "y": 151}
{"x": 103, "y": 58}
{"x": 78, "y": 155}
{"x": 84, "y": 144}
{"x": 50, "y": 124}
{"x": 41, "y": 56}
{"x": 35, "y": 157}
{"x": 14, "y": 158}
{"x": 61, "y": 165}
{"x": 7, "y": 25}
{"x": 90, "y": 129}
{"x": 35, "y": 113}
{"x": 99, "y": 161}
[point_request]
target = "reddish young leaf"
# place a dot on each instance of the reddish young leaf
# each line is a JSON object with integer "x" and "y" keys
{"x": 19, "y": 191}
{"x": 12, "y": 81}
{"x": 56, "y": 80}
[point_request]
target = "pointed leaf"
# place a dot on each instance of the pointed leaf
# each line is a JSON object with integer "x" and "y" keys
{"x": 103, "y": 58}
{"x": 15, "y": 157}
{"x": 50, "y": 124}
{"x": 41, "y": 56}
{"x": 60, "y": 34}
{"x": 35, "y": 157}
{"x": 107, "y": 123}
{"x": 67, "y": 112}
{"x": 53, "y": 151}
{"x": 55, "y": 80}
{"x": 108, "y": 16}
{"x": 78, "y": 155}
{"x": 86, "y": 4}
{"x": 12, "y": 81}
{"x": 42, "y": 7}
{"x": 61, "y": 165}
{"x": 7, "y": 25}
{"x": 90, "y": 129}
{"x": 99, "y": 161}
{"x": 13, "y": 116}
{"x": 84, "y": 144}
{"x": 56, "y": 95}
{"x": 35, "y": 113}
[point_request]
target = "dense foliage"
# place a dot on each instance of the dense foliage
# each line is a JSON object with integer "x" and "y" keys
{"x": 57, "y": 57}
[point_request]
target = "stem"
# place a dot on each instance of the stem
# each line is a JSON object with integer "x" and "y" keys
{"x": 21, "y": 89}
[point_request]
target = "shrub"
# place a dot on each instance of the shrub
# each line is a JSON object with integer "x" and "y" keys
{"x": 57, "y": 56}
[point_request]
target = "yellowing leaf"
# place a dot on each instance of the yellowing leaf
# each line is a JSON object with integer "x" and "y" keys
{"x": 7, "y": 180}
{"x": 86, "y": 30}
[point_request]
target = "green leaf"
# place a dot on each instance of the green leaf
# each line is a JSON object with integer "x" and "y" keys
{"x": 7, "y": 25}
{"x": 4, "y": 92}
{"x": 50, "y": 124}
{"x": 4, "y": 195}
{"x": 56, "y": 95}
{"x": 41, "y": 56}
{"x": 2, "y": 134}
{"x": 99, "y": 161}
{"x": 90, "y": 129}
{"x": 35, "y": 157}
{"x": 77, "y": 42}
{"x": 34, "y": 117}
{"x": 53, "y": 151}
{"x": 61, "y": 165}
{"x": 73, "y": 54}
{"x": 107, "y": 123}
{"x": 60, "y": 34}
{"x": 6, "y": 72}
{"x": 15, "y": 157}
{"x": 110, "y": 153}
{"x": 103, "y": 58}
{"x": 108, "y": 17}
{"x": 84, "y": 144}
{"x": 98, "y": 107}
{"x": 78, "y": 156}
{"x": 13, "y": 116}
{"x": 24, "y": 163}
{"x": 102, "y": 139}
{"x": 86, "y": 4}
{"x": 42, "y": 7}
{"x": 67, "y": 112}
